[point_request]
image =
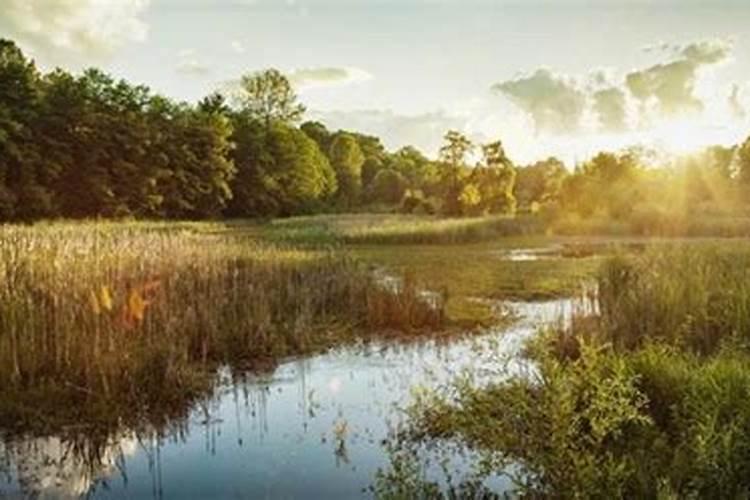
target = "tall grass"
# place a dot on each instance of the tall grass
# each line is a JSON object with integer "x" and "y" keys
{"x": 120, "y": 318}
{"x": 694, "y": 294}
{"x": 652, "y": 223}
{"x": 402, "y": 229}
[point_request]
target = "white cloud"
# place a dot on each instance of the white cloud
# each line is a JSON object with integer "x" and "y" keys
{"x": 602, "y": 102}
{"x": 555, "y": 102}
{"x": 188, "y": 63}
{"x": 672, "y": 85}
{"x": 88, "y": 28}
{"x": 308, "y": 78}
{"x": 736, "y": 101}
{"x": 238, "y": 47}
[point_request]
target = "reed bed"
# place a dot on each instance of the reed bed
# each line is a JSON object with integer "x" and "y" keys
{"x": 124, "y": 319}
{"x": 694, "y": 295}
{"x": 366, "y": 229}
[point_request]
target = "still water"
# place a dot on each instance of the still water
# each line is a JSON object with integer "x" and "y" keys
{"x": 312, "y": 429}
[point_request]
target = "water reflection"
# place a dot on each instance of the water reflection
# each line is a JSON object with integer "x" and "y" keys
{"x": 313, "y": 429}
{"x": 57, "y": 468}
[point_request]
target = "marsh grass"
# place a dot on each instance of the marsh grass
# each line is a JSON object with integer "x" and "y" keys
{"x": 653, "y": 224}
{"x": 366, "y": 229}
{"x": 103, "y": 322}
{"x": 696, "y": 295}
{"x": 645, "y": 397}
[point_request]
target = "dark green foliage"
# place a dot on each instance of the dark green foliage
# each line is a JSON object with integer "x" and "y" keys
{"x": 280, "y": 170}
{"x": 347, "y": 159}
{"x": 90, "y": 146}
{"x": 495, "y": 181}
{"x": 388, "y": 186}
{"x": 24, "y": 187}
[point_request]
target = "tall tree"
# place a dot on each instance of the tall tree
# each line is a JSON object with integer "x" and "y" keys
{"x": 318, "y": 133}
{"x": 495, "y": 179}
{"x": 539, "y": 184}
{"x": 347, "y": 160}
{"x": 453, "y": 156}
{"x": 268, "y": 96}
{"x": 280, "y": 171}
{"x": 24, "y": 191}
{"x": 743, "y": 164}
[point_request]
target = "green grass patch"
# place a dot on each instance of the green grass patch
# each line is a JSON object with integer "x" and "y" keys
{"x": 394, "y": 229}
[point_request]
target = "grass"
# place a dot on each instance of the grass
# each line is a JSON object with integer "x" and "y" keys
{"x": 109, "y": 323}
{"x": 646, "y": 399}
{"x": 653, "y": 224}
{"x": 384, "y": 229}
{"x": 697, "y": 295}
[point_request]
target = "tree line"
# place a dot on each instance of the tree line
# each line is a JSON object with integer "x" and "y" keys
{"x": 89, "y": 145}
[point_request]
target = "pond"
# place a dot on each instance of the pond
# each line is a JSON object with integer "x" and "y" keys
{"x": 312, "y": 429}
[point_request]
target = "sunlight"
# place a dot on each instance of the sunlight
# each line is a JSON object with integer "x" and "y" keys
{"x": 685, "y": 136}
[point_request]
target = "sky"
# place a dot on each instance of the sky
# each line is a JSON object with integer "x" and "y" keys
{"x": 562, "y": 77}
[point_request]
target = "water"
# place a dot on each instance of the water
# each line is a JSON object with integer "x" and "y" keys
{"x": 313, "y": 429}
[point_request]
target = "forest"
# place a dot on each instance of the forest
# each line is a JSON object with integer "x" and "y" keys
{"x": 92, "y": 146}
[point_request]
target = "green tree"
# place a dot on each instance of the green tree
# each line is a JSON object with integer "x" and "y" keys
{"x": 199, "y": 170}
{"x": 318, "y": 133}
{"x": 412, "y": 164}
{"x": 388, "y": 186}
{"x": 453, "y": 156}
{"x": 280, "y": 171}
{"x": 268, "y": 96}
{"x": 495, "y": 180}
{"x": 24, "y": 182}
{"x": 743, "y": 165}
{"x": 347, "y": 160}
{"x": 539, "y": 184}
{"x": 370, "y": 169}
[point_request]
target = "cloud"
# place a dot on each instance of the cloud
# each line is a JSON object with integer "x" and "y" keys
{"x": 672, "y": 85}
{"x": 708, "y": 51}
{"x": 610, "y": 105}
{"x": 306, "y": 78}
{"x": 238, "y": 47}
{"x": 555, "y": 102}
{"x": 601, "y": 102}
{"x": 737, "y": 107}
{"x": 189, "y": 64}
{"x": 88, "y": 28}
